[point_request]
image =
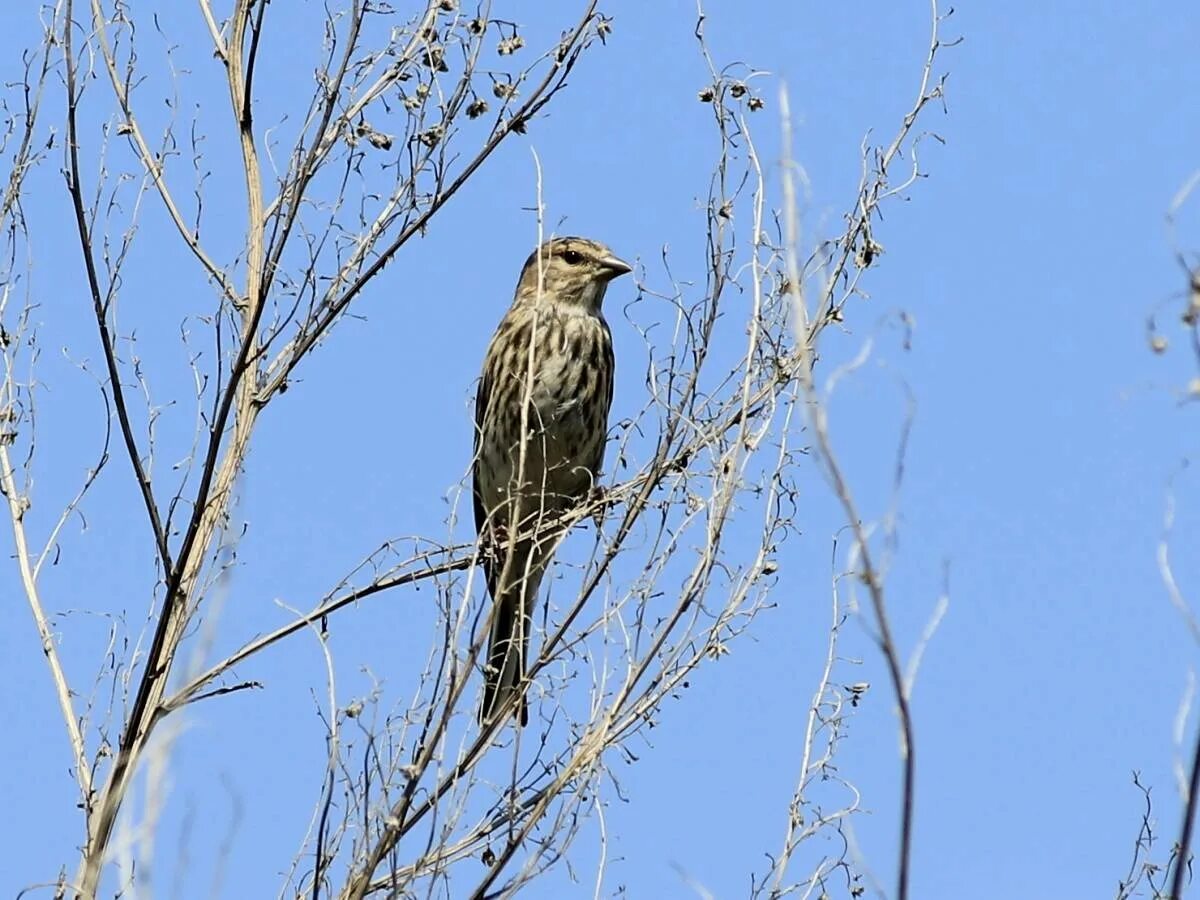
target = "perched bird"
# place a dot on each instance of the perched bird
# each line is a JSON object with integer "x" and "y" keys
{"x": 541, "y": 422}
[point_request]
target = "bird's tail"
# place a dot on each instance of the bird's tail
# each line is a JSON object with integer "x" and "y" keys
{"x": 508, "y": 643}
{"x": 507, "y": 648}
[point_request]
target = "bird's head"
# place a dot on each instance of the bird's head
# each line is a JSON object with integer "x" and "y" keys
{"x": 570, "y": 270}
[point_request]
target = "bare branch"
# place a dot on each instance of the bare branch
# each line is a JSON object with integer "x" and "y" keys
{"x": 100, "y": 309}
{"x": 153, "y": 166}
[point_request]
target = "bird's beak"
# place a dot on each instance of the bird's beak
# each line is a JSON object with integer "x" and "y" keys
{"x": 614, "y": 267}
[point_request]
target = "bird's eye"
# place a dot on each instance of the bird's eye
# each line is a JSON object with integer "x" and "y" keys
{"x": 573, "y": 257}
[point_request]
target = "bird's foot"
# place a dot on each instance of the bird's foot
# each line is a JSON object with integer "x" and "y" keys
{"x": 599, "y": 503}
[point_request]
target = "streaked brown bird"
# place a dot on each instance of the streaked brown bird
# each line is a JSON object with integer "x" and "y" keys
{"x": 541, "y": 422}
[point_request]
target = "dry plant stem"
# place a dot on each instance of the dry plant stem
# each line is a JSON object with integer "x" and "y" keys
{"x": 623, "y": 714}
{"x": 731, "y": 465}
{"x": 665, "y": 460}
{"x": 403, "y": 816}
{"x": 1183, "y": 852}
{"x": 872, "y": 191}
{"x": 412, "y": 787}
{"x": 107, "y": 339}
{"x": 101, "y": 815}
{"x": 214, "y": 31}
{"x": 16, "y": 511}
{"x": 242, "y": 388}
{"x": 1144, "y": 873}
{"x": 590, "y": 748}
{"x": 1167, "y": 572}
{"x": 420, "y": 568}
{"x": 307, "y": 170}
{"x": 622, "y": 718}
{"x": 218, "y": 474}
{"x": 399, "y": 821}
{"x": 1181, "y": 862}
{"x": 1179, "y": 866}
{"x": 153, "y": 166}
{"x": 192, "y": 689}
{"x": 810, "y": 731}
{"x": 809, "y": 333}
{"x": 870, "y": 576}
{"x": 333, "y": 739}
{"x": 30, "y": 568}
{"x": 333, "y": 305}
{"x": 330, "y": 129}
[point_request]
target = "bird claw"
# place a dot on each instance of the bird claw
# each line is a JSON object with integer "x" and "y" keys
{"x": 599, "y": 502}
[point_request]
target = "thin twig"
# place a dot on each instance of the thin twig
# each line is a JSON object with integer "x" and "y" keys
{"x": 1183, "y": 854}
{"x": 107, "y": 340}
{"x": 16, "y": 511}
{"x": 150, "y": 163}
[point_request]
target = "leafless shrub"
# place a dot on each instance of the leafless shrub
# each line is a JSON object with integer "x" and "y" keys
{"x": 1169, "y": 878}
{"x": 413, "y": 788}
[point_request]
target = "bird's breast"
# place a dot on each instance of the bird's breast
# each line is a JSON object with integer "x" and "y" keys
{"x": 557, "y": 399}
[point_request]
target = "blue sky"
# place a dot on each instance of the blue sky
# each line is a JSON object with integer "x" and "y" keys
{"x": 1045, "y": 437}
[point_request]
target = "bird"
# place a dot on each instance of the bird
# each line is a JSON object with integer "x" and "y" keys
{"x": 541, "y": 425}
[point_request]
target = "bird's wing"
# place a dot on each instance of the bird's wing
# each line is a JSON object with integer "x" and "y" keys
{"x": 607, "y": 370}
{"x": 482, "y": 395}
